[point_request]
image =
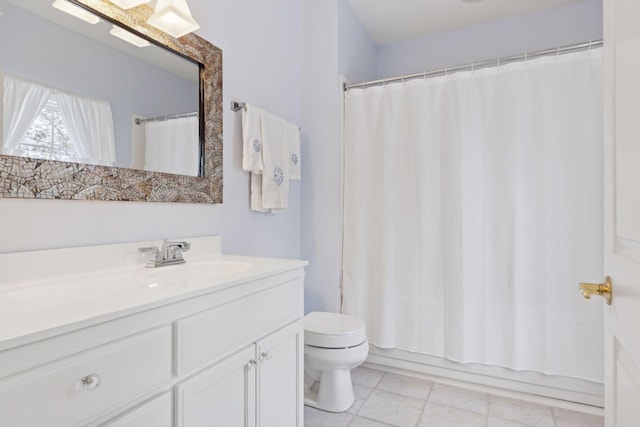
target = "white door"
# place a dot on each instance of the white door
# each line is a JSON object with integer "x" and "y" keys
{"x": 622, "y": 212}
{"x": 280, "y": 373}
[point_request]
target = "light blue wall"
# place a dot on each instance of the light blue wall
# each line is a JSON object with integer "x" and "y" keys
{"x": 568, "y": 24}
{"x": 261, "y": 48}
{"x": 320, "y": 153}
{"x": 334, "y": 44}
{"x": 357, "y": 53}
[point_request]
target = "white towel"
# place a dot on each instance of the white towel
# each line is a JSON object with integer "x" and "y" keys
{"x": 271, "y": 152}
{"x": 275, "y": 161}
{"x": 256, "y": 193}
{"x": 251, "y": 139}
{"x": 293, "y": 135}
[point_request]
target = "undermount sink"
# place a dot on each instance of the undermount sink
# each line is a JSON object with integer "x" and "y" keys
{"x": 199, "y": 270}
{"x": 102, "y": 286}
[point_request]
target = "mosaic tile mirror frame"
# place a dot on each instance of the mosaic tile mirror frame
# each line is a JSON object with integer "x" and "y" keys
{"x": 29, "y": 178}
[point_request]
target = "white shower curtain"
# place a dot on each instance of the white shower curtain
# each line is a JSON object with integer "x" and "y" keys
{"x": 472, "y": 209}
{"x": 173, "y": 146}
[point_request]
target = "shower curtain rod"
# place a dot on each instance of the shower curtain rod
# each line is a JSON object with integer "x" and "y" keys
{"x": 163, "y": 118}
{"x": 481, "y": 64}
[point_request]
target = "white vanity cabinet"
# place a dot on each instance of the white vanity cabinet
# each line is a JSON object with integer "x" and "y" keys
{"x": 259, "y": 386}
{"x": 227, "y": 355}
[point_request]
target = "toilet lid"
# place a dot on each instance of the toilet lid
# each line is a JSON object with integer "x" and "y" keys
{"x": 333, "y": 330}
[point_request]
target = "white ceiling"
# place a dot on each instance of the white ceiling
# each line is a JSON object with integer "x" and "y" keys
{"x": 389, "y": 21}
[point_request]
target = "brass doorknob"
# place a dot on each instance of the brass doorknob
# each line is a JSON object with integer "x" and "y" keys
{"x": 603, "y": 289}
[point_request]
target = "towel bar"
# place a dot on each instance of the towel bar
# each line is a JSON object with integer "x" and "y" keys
{"x": 237, "y": 106}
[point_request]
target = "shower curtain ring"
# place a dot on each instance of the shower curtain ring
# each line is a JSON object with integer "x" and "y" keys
{"x": 558, "y": 51}
{"x": 590, "y": 42}
{"x": 446, "y": 72}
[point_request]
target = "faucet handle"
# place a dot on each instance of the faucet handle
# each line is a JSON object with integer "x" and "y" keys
{"x": 151, "y": 261}
{"x": 183, "y": 246}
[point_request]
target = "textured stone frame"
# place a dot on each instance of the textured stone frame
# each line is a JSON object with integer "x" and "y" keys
{"x": 28, "y": 178}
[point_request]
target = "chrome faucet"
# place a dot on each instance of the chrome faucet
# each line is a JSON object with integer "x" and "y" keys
{"x": 169, "y": 254}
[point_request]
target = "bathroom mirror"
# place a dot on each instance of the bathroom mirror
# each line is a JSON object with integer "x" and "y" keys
{"x": 117, "y": 110}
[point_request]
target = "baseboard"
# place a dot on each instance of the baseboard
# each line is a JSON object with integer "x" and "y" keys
{"x": 570, "y": 393}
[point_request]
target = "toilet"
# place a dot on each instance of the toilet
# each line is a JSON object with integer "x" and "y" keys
{"x": 334, "y": 344}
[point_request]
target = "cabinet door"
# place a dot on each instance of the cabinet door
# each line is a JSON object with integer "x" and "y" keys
{"x": 221, "y": 396}
{"x": 280, "y": 374}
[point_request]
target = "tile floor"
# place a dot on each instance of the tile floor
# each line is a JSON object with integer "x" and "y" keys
{"x": 387, "y": 399}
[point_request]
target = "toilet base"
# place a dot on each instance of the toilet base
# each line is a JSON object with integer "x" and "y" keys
{"x": 333, "y": 392}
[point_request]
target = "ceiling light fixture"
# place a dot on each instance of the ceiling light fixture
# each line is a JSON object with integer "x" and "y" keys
{"x": 129, "y": 37}
{"x": 76, "y": 11}
{"x": 128, "y": 4}
{"x": 173, "y": 17}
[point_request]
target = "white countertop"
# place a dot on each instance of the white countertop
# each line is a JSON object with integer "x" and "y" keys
{"x": 35, "y": 302}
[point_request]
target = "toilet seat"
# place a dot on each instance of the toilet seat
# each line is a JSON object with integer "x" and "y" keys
{"x": 333, "y": 330}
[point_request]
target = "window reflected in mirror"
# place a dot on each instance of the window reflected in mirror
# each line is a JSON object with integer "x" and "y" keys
{"x": 88, "y": 91}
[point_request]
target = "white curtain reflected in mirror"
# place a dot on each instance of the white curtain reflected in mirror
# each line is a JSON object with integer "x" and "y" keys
{"x": 90, "y": 126}
{"x": 23, "y": 102}
{"x": 46, "y": 123}
{"x": 172, "y": 145}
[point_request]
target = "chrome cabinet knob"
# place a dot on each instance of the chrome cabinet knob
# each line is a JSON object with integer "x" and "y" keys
{"x": 252, "y": 363}
{"x": 266, "y": 356}
{"x": 90, "y": 382}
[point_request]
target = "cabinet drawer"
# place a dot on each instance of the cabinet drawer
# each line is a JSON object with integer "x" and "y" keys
{"x": 157, "y": 413}
{"x": 87, "y": 385}
{"x": 217, "y": 332}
